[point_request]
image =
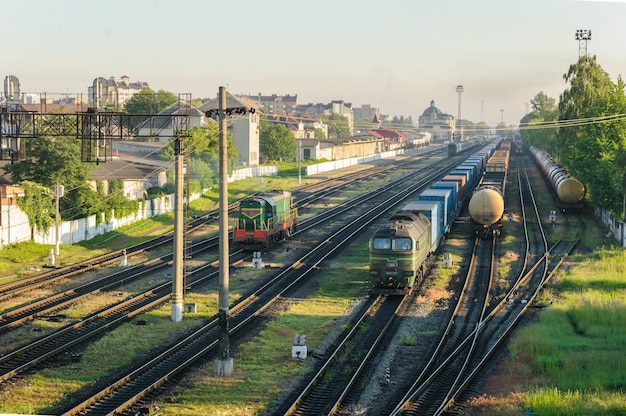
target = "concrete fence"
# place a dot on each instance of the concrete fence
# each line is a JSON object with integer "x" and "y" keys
{"x": 617, "y": 229}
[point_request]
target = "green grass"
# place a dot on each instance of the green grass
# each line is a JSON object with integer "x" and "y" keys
{"x": 42, "y": 392}
{"x": 263, "y": 367}
{"x": 577, "y": 347}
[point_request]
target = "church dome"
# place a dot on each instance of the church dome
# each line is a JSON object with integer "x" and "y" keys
{"x": 432, "y": 110}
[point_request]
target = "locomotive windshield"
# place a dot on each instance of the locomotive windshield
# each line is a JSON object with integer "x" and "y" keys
{"x": 381, "y": 243}
{"x": 402, "y": 244}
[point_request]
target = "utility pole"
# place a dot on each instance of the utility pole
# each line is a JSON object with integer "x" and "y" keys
{"x": 459, "y": 90}
{"x": 224, "y": 363}
{"x": 59, "y": 191}
{"x": 177, "y": 273}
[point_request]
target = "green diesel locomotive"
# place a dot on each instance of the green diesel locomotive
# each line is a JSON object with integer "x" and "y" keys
{"x": 398, "y": 250}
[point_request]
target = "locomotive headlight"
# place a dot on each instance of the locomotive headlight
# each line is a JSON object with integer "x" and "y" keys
{"x": 392, "y": 264}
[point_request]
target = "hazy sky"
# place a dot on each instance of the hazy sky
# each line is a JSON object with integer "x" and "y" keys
{"x": 394, "y": 55}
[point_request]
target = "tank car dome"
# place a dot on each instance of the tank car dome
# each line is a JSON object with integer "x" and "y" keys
{"x": 486, "y": 206}
{"x": 570, "y": 190}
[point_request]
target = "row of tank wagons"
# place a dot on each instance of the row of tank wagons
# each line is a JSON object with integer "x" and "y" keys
{"x": 486, "y": 206}
{"x": 568, "y": 192}
{"x": 264, "y": 219}
{"x": 400, "y": 247}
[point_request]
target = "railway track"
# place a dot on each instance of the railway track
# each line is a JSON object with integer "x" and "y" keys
{"x": 27, "y": 357}
{"x": 477, "y": 331}
{"x": 66, "y": 338}
{"x": 490, "y": 332}
{"x": 139, "y": 382}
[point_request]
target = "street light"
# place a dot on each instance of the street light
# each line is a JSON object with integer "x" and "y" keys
{"x": 582, "y": 36}
{"x": 459, "y": 90}
{"x": 299, "y": 161}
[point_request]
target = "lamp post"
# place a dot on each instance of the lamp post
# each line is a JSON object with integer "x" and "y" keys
{"x": 459, "y": 90}
{"x": 224, "y": 363}
{"x": 583, "y": 36}
{"x": 59, "y": 191}
{"x": 299, "y": 161}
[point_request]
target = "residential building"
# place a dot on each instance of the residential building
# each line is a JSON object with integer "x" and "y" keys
{"x": 274, "y": 104}
{"x": 243, "y": 129}
{"x": 136, "y": 180}
{"x": 167, "y": 123}
{"x": 117, "y": 91}
{"x": 393, "y": 138}
{"x": 334, "y": 107}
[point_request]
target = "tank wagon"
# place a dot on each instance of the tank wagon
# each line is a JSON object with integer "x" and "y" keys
{"x": 568, "y": 192}
{"x": 400, "y": 248}
{"x": 486, "y": 206}
{"x": 264, "y": 219}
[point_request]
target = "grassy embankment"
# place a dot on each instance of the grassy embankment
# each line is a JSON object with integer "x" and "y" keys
{"x": 570, "y": 360}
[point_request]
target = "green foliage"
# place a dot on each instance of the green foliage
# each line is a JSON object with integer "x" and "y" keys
{"x": 169, "y": 188}
{"x": 38, "y": 204}
{"x": 337, "y": 126}
{"x": 55, "y": 160}
{"x": 402, "y": 122}
{"x": 319, "y": 133}
{"x": 594, "y": 152}
{"x": 201, "y": 152}
{"x": 147, "y": 102}
{"x": 535, "y": 127}
{"x": 276, "y": 142}
{"x": 481, "y": 128}
{"x": 51, "y": 160}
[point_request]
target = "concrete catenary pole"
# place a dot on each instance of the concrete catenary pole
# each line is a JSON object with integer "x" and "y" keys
{"x": 224, "y": 363}
{"x": 177, "y": 275}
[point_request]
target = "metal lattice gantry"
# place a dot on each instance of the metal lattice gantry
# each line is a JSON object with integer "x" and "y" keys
{"x": 95, "y": 127}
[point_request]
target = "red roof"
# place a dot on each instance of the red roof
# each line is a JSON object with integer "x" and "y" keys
{"x": 388, "y": 134}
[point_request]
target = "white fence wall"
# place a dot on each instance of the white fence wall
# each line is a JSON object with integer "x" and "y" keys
{"x": 344, "y": 163}
{"x": 15, "y": 226}
{"x": 618, "y": 229}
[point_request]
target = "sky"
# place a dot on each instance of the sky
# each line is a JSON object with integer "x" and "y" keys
{"x": 396, "y": 55}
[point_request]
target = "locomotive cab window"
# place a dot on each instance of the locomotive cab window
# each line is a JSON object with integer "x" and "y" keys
{"x": 382, "y": 243}
{"x": 402, "y": 244}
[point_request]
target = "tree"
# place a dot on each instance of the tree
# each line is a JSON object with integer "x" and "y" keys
{"x": 338, "y": 126}
{"x": 537, "y": 126}
{"x": 277, "y": 142}
{"x": 319, "y": 133}
{"x": 594, "y": 147}
{"x": 402, "y": 122}
{"x": 37, "y": 203}
{"x": 201, "y": 151}
{"x": 147, "y": 102}
{"x": 588, "y": 81}
{"x": 482, "y": 128}
{"x": 53, "y": 160}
